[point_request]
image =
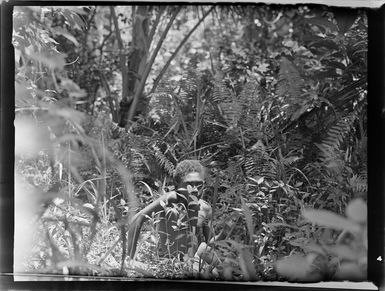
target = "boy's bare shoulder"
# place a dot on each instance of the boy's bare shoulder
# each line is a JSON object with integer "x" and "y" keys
{"x": 204, "y": 203}
{"x": 205, "y": 211}
{"x": 204, "y": 206}
{"x": 170, "y": 197}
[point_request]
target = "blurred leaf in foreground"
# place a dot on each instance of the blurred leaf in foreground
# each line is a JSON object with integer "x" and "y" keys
{"x": 357, "y": 210}
{"x": 30, "y": 138}
{"x": 300, "y": 268}
{"x": 330, "y": 219}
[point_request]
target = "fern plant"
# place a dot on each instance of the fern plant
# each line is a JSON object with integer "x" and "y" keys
{"x": 290, "y": 82}
{"x": 163, "y": 161}
{"x": 290, "y": 86}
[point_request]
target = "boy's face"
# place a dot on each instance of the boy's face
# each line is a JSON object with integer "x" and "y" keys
{"x": 192, "y": 183}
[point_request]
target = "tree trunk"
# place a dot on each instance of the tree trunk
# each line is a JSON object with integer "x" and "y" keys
{"x": 137, "y": 59}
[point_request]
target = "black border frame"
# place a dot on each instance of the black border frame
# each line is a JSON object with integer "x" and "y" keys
{"x": 376, "y": 173}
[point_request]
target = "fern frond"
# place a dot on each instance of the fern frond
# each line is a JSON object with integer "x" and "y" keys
{"x": 358, "y": 183}
{"x": 258, "y": 162}
{"x": 244, "y": 108}
{"x": 164, "y": 162}
{"x": 221, "y": 94}
{"x": 337, "y": 133}
{"x": 231, "y": 112}
{"x": 251, "y": 98}
{"x": 289, "y": 161}
{"x": 190, "y": 80}
{"x": 229, "y": 106}
{"x": 290, "y": 82}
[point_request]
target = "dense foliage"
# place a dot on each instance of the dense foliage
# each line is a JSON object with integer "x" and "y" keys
{"x": 272, "y": 100}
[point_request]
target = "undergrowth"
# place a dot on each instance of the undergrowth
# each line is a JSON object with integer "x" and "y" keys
{"x": 282, "y": 134}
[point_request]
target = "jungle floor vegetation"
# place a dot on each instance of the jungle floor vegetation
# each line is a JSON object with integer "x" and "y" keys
{"x": 272, "y": 100}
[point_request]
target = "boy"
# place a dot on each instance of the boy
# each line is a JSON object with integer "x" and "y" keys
{"x": 183, "y": 214}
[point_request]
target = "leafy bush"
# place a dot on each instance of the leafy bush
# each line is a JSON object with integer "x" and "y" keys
{"x": 325, "y": 258}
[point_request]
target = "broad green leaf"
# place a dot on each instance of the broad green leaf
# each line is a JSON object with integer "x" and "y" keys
{"x": 246, "y": 264}
{"x": 330, "y": 219}
{"x": 227, "y": 273}
{"x": 179, "y": 236}
{"x": 327, "y": 43}
{"x": 258, "y": 180}
{"x": 249, "y": 218}
{"x": 278, "y": 224}
{"x": 69, "y": 114}
{"x": 23, "y": 97}
{"x": 350, "y": 271}
{"x": 51, "y": 59}
{"x": 297, "y": 114}
{"x": 298, "y": 268}
{"x": 309, "y": 247}
{"x": 322, "y": 22}
{"x": 336, "y": 64}
{"x": 20, "y": 42}
{"x": 194, "y": 199}
{"x": 345, "y": 19}
{"x": 74, "y": 9}
{"x": 65, "y": 33}
{"x": 72, "y": 88}
{"x": 30, "y": 138}
{"x": 73, "y": 19}
{"x": 357, "y": 210}
{"x": 344, "y": 252}
{"x": 298, "y": 184}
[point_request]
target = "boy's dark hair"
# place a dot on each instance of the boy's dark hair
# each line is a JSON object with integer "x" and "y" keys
{"x": 185, "y": 167}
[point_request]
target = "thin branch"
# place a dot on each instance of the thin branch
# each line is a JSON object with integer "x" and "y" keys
{"x": 104, "y": 41}
{"x": 124, "y": 247}
{"x": 154, "y": 26}
{"x": 133, "y": 13}
{"x": 110, "y": 99}
{"x": 122, "y": 56}
{"x": 213, "y": 71}
{"x": 149, "y": 65}
{"x": 116, "y": 24}
{"x": 92, "y": 18}
{"x": 156, "y": 82}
